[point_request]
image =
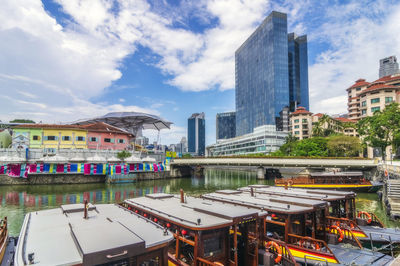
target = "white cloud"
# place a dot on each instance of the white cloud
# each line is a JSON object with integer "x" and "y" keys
{"x": 171, "y": 136}
{"x": 358, "y": 35}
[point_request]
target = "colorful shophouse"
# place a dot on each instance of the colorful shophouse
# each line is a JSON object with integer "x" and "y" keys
{"x": 103, "y": 136}
{"x": 46, "y": 136}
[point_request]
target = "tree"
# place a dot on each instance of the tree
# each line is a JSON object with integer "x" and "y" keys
{"x": 122, "y": 155}
{"x": 28, "y": 121}
{"x": 344, "y": 146}
{"x": 316, "y": 146}
{"x": 382, "y": 129}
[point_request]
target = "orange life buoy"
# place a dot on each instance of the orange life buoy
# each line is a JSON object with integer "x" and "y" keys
{"x": 339, "y": 231}
{"x": 369, "y": 220}
{"x": 278, "y": 249}
{"x": 386, "y": 173}
{"x": 290, "y": 183}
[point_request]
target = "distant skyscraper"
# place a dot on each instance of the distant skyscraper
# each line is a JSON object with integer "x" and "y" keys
{"x": 388, "y": 66}
{"x": 197, "y": 134}
{"x": 262, "y": 75}
{"x": 298, "y": 71}
{"x": 226, "y": 125}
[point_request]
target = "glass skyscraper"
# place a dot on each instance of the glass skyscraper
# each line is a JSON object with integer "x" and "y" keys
{"x": 262, "y": 75}
{"x": 226, "y": 125}
{"x": 197, "y": 134}
{"x": 298, "y": 71}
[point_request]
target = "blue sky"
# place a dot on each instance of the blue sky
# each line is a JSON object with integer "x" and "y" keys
{"x": 64, "y": 60}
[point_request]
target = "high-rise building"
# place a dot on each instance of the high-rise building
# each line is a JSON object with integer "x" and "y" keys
{"x": 265, "y": 65}
{"x": 298, "y": 71}
{"x": 197, "y": 134}
{"x": 226, "y": 125}
{"x": 388, "y": 66}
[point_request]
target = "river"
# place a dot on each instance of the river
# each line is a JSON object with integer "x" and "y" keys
{"x": 16, "y": 201}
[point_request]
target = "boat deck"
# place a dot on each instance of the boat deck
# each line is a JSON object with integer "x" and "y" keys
{"x": 287, "y": 205}
{"x": 347, "y": 255}
{"x": 63, "y": 236}
{"x": 196, "y": 213}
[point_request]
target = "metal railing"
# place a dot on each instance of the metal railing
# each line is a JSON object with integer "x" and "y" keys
{"x": 286, "y": 254}
{"x": 375, "y": 221}
{"x": 346, "y": 226}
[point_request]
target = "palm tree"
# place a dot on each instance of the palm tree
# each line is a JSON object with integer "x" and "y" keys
{"x": 317, "y": 129}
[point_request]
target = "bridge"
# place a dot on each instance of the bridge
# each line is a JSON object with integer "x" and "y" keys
{"x": 262, "y": 163}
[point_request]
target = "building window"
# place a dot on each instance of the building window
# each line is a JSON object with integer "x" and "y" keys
{"x": 35, "y": 137}
{"x": 374, "y": 109}
{"x": 375, "y": 100}
{"x": 388, "y": 99}
{"x": 121, "y": 141}
{"x": 305, "y": 132}
{"x": 94, "y": 139}
{"x": 297, "y": 132}
{"x": 358, "y": 89}
{"x": 66, "y": 138}
{"x": 304, "y": 120}
{"x": 50, "y": 138}
{"x": 80, "y": 138}
{"x": 296, "y": 120}
{"x": 108, "y": 140}
{"x": 364, "y": 103}
{"x": 296, "y": 126}
{"x": 363, "y": 112}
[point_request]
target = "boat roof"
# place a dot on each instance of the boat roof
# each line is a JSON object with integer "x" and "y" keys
{"x": 336, "y": 174}
{"x": 317, "y": 194}
{"x": 62, "y": 236}
{"x": 279, "y": 204}
{"x": 211, "y": 214}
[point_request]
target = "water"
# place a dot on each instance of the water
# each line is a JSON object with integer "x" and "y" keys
{"x": 16, "y": 201}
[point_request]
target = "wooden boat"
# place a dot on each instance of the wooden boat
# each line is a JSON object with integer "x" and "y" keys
{"x": 353, "y": 181}
{"x": 85, "y": 234}
{"x": 3, "y": 238}
{"x": 366, "y": 226}
{"x": 297, "y": 222}
{"x": 207, "y": 232}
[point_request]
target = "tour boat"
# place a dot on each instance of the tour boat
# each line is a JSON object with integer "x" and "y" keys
{"x": 207, "y": 232}
{"x": 297, "y": 222}
{"x": 86, "y": 234}
{"x": 353, "y": 181}
{"x": 366, "y": 226}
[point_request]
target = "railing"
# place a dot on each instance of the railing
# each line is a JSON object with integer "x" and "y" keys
{"x": 286, "y": 254}
{"x": 375, "y": 221}
{"x": 346, "y": 226}
{"x": 204, "y": 262}
{"x": 297, "y": 180}
{"x": 312, "y": 244}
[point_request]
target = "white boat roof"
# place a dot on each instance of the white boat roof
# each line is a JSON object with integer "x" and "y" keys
{"x": 62, "y": 236}
{"x": 287, "y": 205}
{"x": 210, "y": 213}
{"x": 317, "y": 194}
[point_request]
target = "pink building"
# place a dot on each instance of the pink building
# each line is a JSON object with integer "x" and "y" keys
{"x": 104, "y": 137}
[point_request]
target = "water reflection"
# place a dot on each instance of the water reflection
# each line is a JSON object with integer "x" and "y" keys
{"x": 16, "y": 201}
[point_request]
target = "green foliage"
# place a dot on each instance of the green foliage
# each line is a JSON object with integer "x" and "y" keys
{"x": 187, "y": 156}
{"x": 382, "y": 129}
{"x": 122, "y": 155}
{"x": 311, "y": 147}
{"x": 28, "y": 121}
{"x": 344, "y": 146}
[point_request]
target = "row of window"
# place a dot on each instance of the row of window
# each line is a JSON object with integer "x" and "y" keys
{"x": 373, "y": 109}
{"x": 298, "y": 120}
{"x": 65, "y": 138}
{"x": 377, "y": 100}
{"x": 78, "y": 138}
{"x": 298, "y": 132}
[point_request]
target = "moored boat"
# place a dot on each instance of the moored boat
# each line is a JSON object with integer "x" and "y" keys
{"x": 300, "y": 223}
{"x": 86, "y": 234}
{"x": 354, "y": 181}
{"x": 208, "y": 232}
{"x": 3, "y": 238}
{"x": 366, "y": 226}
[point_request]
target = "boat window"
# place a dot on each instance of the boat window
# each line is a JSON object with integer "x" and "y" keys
{"x": 212, "y": 246}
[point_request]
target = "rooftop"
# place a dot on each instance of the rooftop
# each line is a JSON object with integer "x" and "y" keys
{"x": 345, "y": 120}
{"x": 359, "y": 83}
{"x": 62, "y": 236}
{"x": 103, "y": 127}
{"x": 50, "y": 126}
{"x": 378, "y": 85}
{"x": 300, "y": 110}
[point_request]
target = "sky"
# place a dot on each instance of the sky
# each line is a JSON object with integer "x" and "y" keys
{"x": 64, "y": 60}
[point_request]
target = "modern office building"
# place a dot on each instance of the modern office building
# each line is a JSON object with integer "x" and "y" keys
{"x": 226, "y": 125}
{"x": 298, "y": 71}
{"x": 264, "y": 139}
{"x": 197, "y": 134}
{"x": 388, "y": 66}
{"x": 270, "y": 74}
